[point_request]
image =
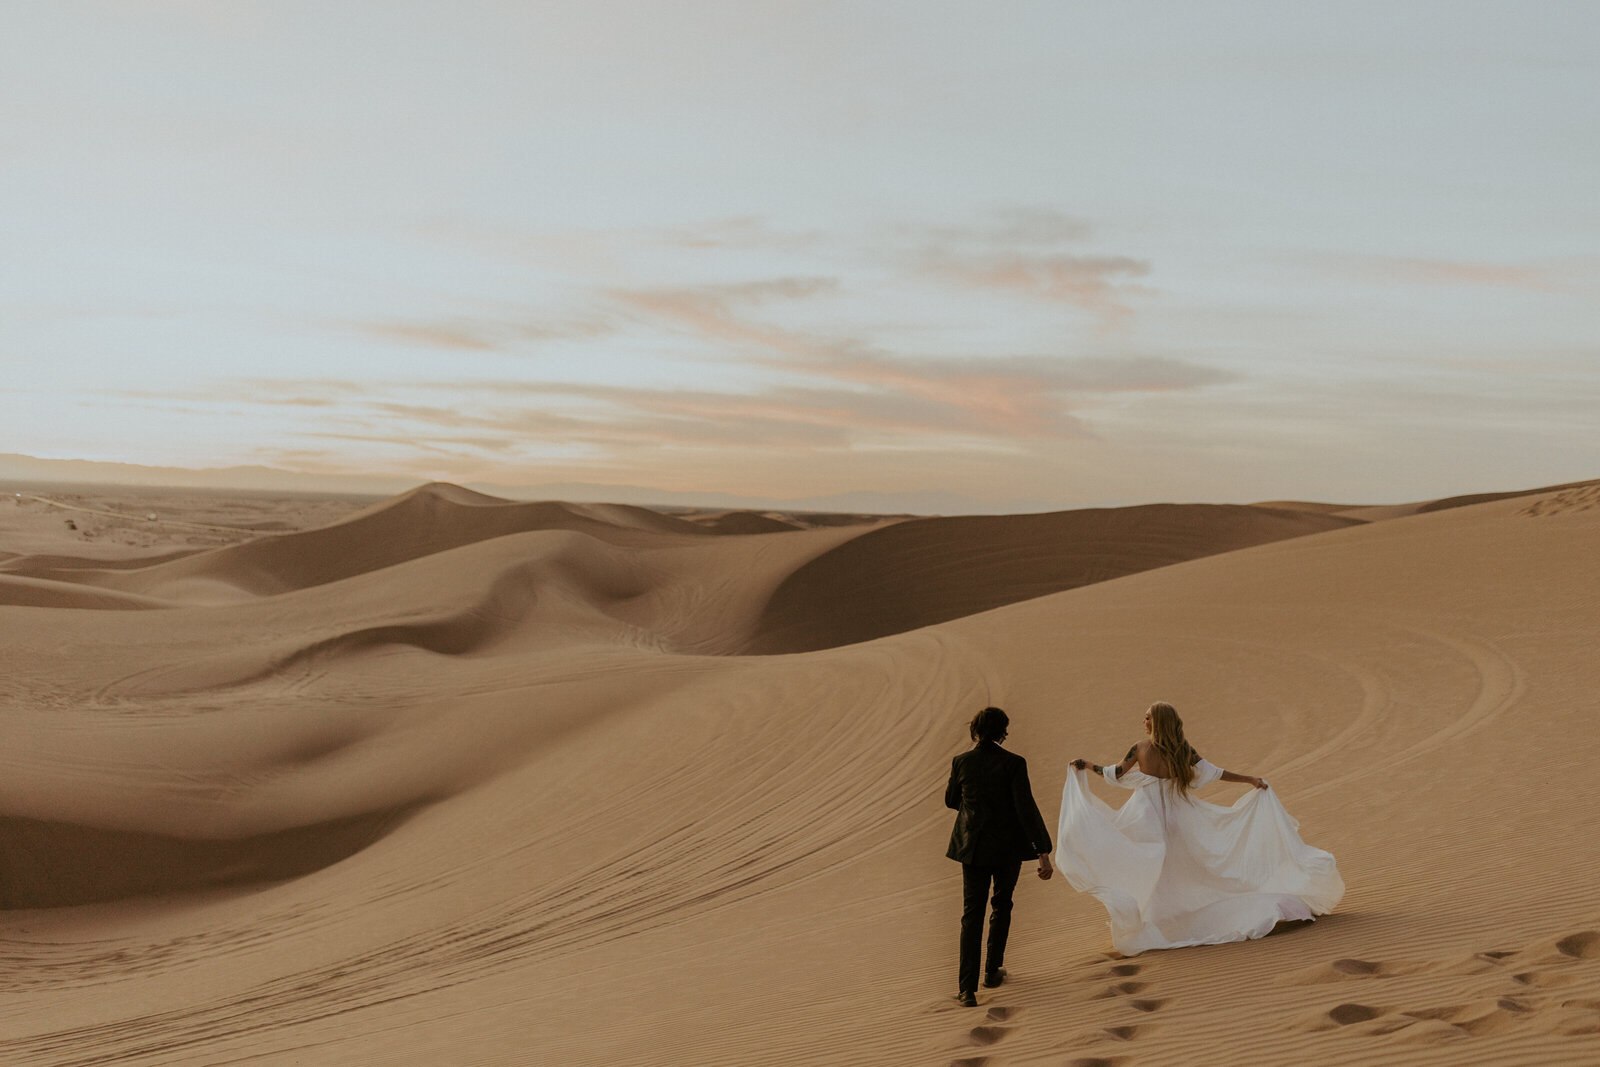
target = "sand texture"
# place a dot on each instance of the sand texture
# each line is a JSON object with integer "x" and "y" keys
{"x": 444, "y": 779}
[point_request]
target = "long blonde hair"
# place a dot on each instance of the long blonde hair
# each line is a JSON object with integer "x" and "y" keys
{"x": 1166, "y": 737}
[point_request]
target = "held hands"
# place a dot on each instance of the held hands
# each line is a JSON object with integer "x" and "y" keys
{"x": 1045, "y": 870}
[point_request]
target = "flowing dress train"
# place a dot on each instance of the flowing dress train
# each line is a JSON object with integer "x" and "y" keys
{"x": 1175, "y": 871}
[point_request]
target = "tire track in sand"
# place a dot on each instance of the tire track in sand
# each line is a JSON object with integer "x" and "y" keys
{"x": 777, "y": 822}
{"x": 1501, "y": 683}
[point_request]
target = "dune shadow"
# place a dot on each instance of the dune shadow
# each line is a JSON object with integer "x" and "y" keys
{"x": 46, "y": 864}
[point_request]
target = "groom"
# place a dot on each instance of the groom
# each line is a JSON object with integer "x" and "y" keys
{"x": 997, "y": 827}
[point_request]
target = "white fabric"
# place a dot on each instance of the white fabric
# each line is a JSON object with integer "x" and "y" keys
{"x": 1175, "y": 871}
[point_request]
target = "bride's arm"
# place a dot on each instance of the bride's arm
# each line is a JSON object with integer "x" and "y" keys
{"x": 1128, "y": 763}
{"x": 1229, "y": 776}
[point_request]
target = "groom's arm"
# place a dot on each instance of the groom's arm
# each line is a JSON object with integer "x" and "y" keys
{"x": 1028, "y": 810}
{"x": 952, "y": 790}
{"x": 1032, "y": 821}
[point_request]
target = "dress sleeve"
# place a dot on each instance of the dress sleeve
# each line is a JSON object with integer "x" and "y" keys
{"x": 1205, "y": 772}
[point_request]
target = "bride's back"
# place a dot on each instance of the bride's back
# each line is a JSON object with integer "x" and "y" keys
{"x": 1151, "y": 762}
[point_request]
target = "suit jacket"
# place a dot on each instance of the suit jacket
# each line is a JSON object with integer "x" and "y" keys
{"x": 997, "y": 821}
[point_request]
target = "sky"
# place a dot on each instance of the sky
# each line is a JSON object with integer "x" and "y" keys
{"x": 1026, "y": 255}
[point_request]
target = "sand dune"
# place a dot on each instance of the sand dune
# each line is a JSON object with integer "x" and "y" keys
{"x": 1379, "y": 512}
{"x": 22, "y": 591}
{"x": 927, "y": 571}
{"x": 425, "y": 521}
{"x": 455, "y": 780}
{"x": 428, "y": 520}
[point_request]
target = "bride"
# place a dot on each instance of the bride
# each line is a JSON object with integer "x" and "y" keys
{"x": 1174, "y": 871}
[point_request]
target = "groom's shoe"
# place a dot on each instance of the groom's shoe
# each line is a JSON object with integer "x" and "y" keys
{"x": 967, "y": 999}
{"x": 994, "y": 977}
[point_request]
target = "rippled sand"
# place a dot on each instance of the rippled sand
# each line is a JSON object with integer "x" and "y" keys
{"x": 449, "y": 779}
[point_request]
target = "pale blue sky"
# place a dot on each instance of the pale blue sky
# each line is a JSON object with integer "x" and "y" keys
{"x": 1031, "y": 253}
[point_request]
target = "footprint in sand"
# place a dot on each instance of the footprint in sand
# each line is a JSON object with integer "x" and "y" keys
{"x": 1447, "y": 1023}
{"x": 1584, "y": 945}
{"x": 1346, "y": 1014}
{"x": 1097, "y": 1061}
{"x": 1542, "y": 979}
{"x": 1122, "y": 989}
{"x": 1428, "y": 1032}
{"x": 1520, "y": 1005}
{"x": 988, "y": 1035}
{"x": 1121, "y": 1032}
{"x": 991, "y": 1032}
{"x": 1573, "y": 1017}
{"x": 1351, "y": 969}
{"x": 1350, "y": 966}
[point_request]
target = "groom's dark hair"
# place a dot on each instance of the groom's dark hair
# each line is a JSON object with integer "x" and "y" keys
{"x": 990, "y": 724}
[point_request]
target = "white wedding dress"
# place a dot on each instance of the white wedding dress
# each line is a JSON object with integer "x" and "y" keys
{"x": 1175, "y": 871}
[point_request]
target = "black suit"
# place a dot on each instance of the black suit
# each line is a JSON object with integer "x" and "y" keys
{"x": 998, "y": 825}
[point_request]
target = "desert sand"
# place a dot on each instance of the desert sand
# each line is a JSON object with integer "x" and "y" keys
{"x": 450, "y": 779}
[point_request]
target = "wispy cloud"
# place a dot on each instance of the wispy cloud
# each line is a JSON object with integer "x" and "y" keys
{"x": 1034, "y": 252}
{"x": 429, "y": 335}
{"x": 708, "y": 312}
{"x": 1094, "y": 283}
{"x": 812, "y": 371}
{"x": 991, "y": 396}
{"x": 450, "y": 446}
{"x": 859, "y": 401}
{"x": 486, "y": 334}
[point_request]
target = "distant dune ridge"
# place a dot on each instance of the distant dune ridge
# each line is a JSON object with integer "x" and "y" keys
{"x": 451, "y": 778}
{"x": 925, "y": 571}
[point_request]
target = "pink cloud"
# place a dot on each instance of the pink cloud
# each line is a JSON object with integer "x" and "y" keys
{"x": 1008, "y": 397}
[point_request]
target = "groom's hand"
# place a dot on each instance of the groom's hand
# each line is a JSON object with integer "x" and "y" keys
{"x": 1045, "y": 870}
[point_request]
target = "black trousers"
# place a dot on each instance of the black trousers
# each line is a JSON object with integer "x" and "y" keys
{"x": 975, "y": 883}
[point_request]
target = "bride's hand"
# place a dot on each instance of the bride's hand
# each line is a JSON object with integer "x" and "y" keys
{"x": 1258, "y": 783}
